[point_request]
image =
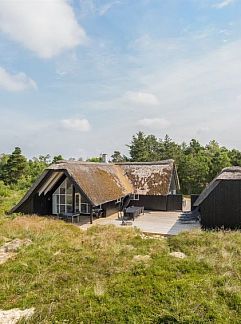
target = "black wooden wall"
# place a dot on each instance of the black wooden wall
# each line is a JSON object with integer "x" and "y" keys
{"x": 193, "y": 199}
{"x": 174, "y": 202}
{"x": 161, "y": 203}
{"x": 110, "y": 208}
{"x": 151, "y": 202}
{"x": 222, "y": 208}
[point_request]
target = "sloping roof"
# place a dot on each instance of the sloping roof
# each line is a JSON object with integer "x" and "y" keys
{"x": 30, "y": 191}
{"x": 151, "y": 178}
{"x": 101, "y": 182}
{"x": 230, "y": 173}
{"x": 104, "y": 182}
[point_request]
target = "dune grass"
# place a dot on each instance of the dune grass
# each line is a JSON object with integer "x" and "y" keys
{"x": 113, "y": 275}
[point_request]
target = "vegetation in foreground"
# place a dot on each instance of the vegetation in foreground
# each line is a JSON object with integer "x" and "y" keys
{"x": 111, "y": 275}
{"x": 114, "y": 275}
{"x": 8, "y": 198}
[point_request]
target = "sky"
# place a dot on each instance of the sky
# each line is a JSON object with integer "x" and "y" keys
{"x": 81, "y": 77}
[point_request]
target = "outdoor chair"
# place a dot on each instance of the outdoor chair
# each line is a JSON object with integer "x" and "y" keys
{"x": 98, "y": 212}
{"x": 62, "y": 216}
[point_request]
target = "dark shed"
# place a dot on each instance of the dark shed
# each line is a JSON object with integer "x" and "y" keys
{"x": 220, "y": 203}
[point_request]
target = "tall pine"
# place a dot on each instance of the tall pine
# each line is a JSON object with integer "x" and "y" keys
{"x": 15, "y": 167}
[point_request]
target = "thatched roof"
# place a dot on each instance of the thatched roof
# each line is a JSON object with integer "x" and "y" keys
{"x": 101, "y": 182}
{"x": 151, "y": 178}
{"x": 230, "y": 173}
{"x": 104, "y": 182}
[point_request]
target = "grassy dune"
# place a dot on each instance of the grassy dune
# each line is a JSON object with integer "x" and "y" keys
{"x": 115, "y": 275}
{"x": 112, "y": 275}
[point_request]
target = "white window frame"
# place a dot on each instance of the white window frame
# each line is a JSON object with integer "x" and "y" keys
{"x": 56, "y": 198}
{"x": 87, "y": 208}
{"x": 118, "y": 201}
{"x": 79, "y": 206}
{"x": 135, "y": 197}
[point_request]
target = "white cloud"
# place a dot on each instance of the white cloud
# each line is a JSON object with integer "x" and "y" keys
{"x": 44, "y": 27}
{"x": 15, "y": 82}
{"x": 142, "y": 98}
{"x": 153, "y": 123}
{"x": 223, "y": 4}
{"x": 107, "y": 7}
{"x": 76, "y": 124}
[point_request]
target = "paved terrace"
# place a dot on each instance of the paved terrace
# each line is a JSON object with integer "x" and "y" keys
{"x": 153, "y": 222}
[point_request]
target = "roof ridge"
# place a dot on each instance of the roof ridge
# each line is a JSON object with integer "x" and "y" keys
{"x": 231, "y": 169}
{"x": 169, "y": 161}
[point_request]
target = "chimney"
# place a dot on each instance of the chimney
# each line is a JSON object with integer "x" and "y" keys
{"x": 104, "y": 158}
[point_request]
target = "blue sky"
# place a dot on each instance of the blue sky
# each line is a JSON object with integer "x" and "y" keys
{"x": 81, "y": 77}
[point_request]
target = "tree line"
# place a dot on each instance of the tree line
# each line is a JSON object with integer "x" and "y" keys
{"x": 197, "y": 164}
{"x": 19, "y": 172}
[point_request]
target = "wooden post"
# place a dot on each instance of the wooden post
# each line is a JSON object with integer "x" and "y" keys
{"x": 91, "y": 214}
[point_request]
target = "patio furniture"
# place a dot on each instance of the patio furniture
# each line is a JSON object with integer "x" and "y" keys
{"x": 61, "y": 216}
{"x": 132, "y": 212}
{"x": 98, "y": 212}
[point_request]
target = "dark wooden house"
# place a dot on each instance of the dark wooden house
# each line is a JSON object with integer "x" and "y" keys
{"x": 78, "y": 187}
{"x": 220, "y": 203}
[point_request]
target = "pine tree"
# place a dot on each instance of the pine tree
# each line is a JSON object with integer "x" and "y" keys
{"x": 15, "y": 167}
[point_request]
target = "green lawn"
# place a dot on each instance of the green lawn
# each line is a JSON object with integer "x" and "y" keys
{"x": 99, "y": 276}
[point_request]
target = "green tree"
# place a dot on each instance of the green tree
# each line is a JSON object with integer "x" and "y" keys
{"x": 138, "y": 148}
{"x": 94, "y": 159}
{"x": 45, "y": 158}
{"x": 170, "y": 150}
{"x": 3, "y": 161}
{"x": 193, "y": 171}
{"x": 57, "y": 158}
{"x": 15, "y": 167}
{"x": 235, "y": 157}
{"x": 218, "y": 159}
{"x": 118, "y": 157}
{"x": 35, "y": 168}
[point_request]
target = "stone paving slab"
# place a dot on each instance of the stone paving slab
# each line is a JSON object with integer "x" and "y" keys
{"x": 154, "y": 222}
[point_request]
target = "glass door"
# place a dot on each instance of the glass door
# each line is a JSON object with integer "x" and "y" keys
{"x": 77, "y": 208}
{"x": 62, "y": 198}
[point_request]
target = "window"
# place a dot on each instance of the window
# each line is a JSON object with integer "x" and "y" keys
{"x": 118, "y": 201}
{"x": 85, "y": 208}
{"x": 77, "y": 202}
{"x": 63, "y": 198}
{"x": 135, "y": 197}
